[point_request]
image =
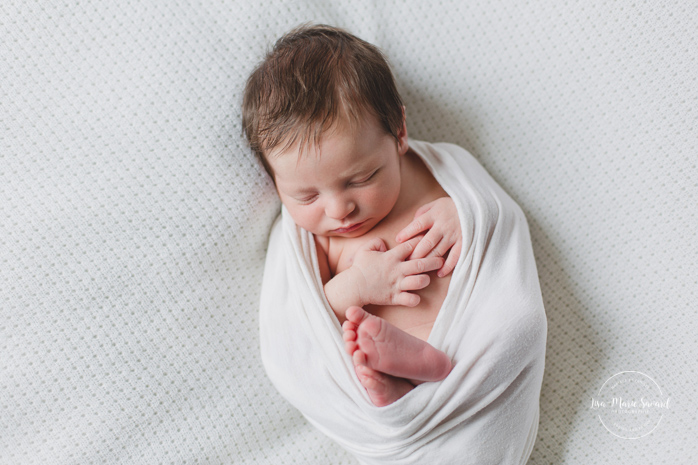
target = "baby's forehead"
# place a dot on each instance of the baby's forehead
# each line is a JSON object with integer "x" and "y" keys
{"x": 306, "y": 135}
{"x": 343, "y": 149}
{"x": 304, "y": 145}
{"x": 290, "y": 155}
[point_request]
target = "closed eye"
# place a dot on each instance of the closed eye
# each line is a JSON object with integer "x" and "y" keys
{"x": 307, "y": 200}
{"x": 365, "y": 179}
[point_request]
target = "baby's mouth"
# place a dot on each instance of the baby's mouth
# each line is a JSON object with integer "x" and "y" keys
{"x": 348, "y": 229}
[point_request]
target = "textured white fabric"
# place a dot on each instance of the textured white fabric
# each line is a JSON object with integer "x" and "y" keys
{"x": 133, "y": 221}
{"x": 491, "y": 325}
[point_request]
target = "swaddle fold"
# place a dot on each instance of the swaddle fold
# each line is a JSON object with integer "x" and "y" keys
{"x": 492, "y": 325}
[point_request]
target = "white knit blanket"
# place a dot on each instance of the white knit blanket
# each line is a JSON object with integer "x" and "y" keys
{"x": 492, "y": 324}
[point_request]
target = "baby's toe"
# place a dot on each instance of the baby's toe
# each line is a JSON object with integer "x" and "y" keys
{"x": 358, "y": 357}
{"x": 349, "y": 326}
{"x": 349, "y": 335}
{"x": 350, "y": 347}
{"x": 355, "y": 315}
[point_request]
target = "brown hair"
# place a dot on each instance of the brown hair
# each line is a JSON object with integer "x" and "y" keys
{"x": 313, "y": 77}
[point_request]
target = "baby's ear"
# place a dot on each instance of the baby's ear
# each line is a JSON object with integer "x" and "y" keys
{"x": 402, "y": 145}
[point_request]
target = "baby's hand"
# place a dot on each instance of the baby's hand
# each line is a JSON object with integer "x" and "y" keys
{"x": 440, "y": 218}
{"x": 383, "y": 277}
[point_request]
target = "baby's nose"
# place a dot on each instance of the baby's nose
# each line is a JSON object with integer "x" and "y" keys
{"x": 340, "y": 209}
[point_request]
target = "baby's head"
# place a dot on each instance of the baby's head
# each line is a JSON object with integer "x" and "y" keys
{"x": 324, "y": 116}
{"x": 313, "y": 78}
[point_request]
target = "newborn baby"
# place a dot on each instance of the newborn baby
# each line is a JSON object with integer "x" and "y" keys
{"x": 357, "y": 186}
{"x": 447, "y": 349}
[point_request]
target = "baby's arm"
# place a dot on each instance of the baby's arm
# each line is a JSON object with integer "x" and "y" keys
{"x": 440, "y": 218}
{"x": 380, "y": 277}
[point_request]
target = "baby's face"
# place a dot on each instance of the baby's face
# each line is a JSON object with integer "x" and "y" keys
{"x": 344, "y": 185}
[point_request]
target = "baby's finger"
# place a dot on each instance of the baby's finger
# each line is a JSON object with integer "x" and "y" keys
{"x": 406, "y": 299}
{"x": 451, "y": 261}
{"x": 421, "y": 265}
{"x": 374, "y": 245}
{"x": 427, "y": 244}
{"x": 417, "y": 226}
{"x": 402, "y": 251}
{"x": 415, "y": 282}
{"x": 442, "y": 248}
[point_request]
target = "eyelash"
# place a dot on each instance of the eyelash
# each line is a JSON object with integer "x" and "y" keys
{"x": 309, "y": 200}
{"x": 365, "y": 180}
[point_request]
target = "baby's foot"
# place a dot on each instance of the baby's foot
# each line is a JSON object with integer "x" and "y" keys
{"x": 382, "y": 389}
{"x": 377, "y": 344}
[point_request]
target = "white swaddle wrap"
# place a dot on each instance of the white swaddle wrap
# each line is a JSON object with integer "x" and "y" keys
{"x": 492, "y": 325}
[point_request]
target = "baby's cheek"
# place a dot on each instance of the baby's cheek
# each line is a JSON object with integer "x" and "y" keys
{"x": 384, "y": 199}
{"x": 300, "y": 217}
{"x": 314, "y": 219}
